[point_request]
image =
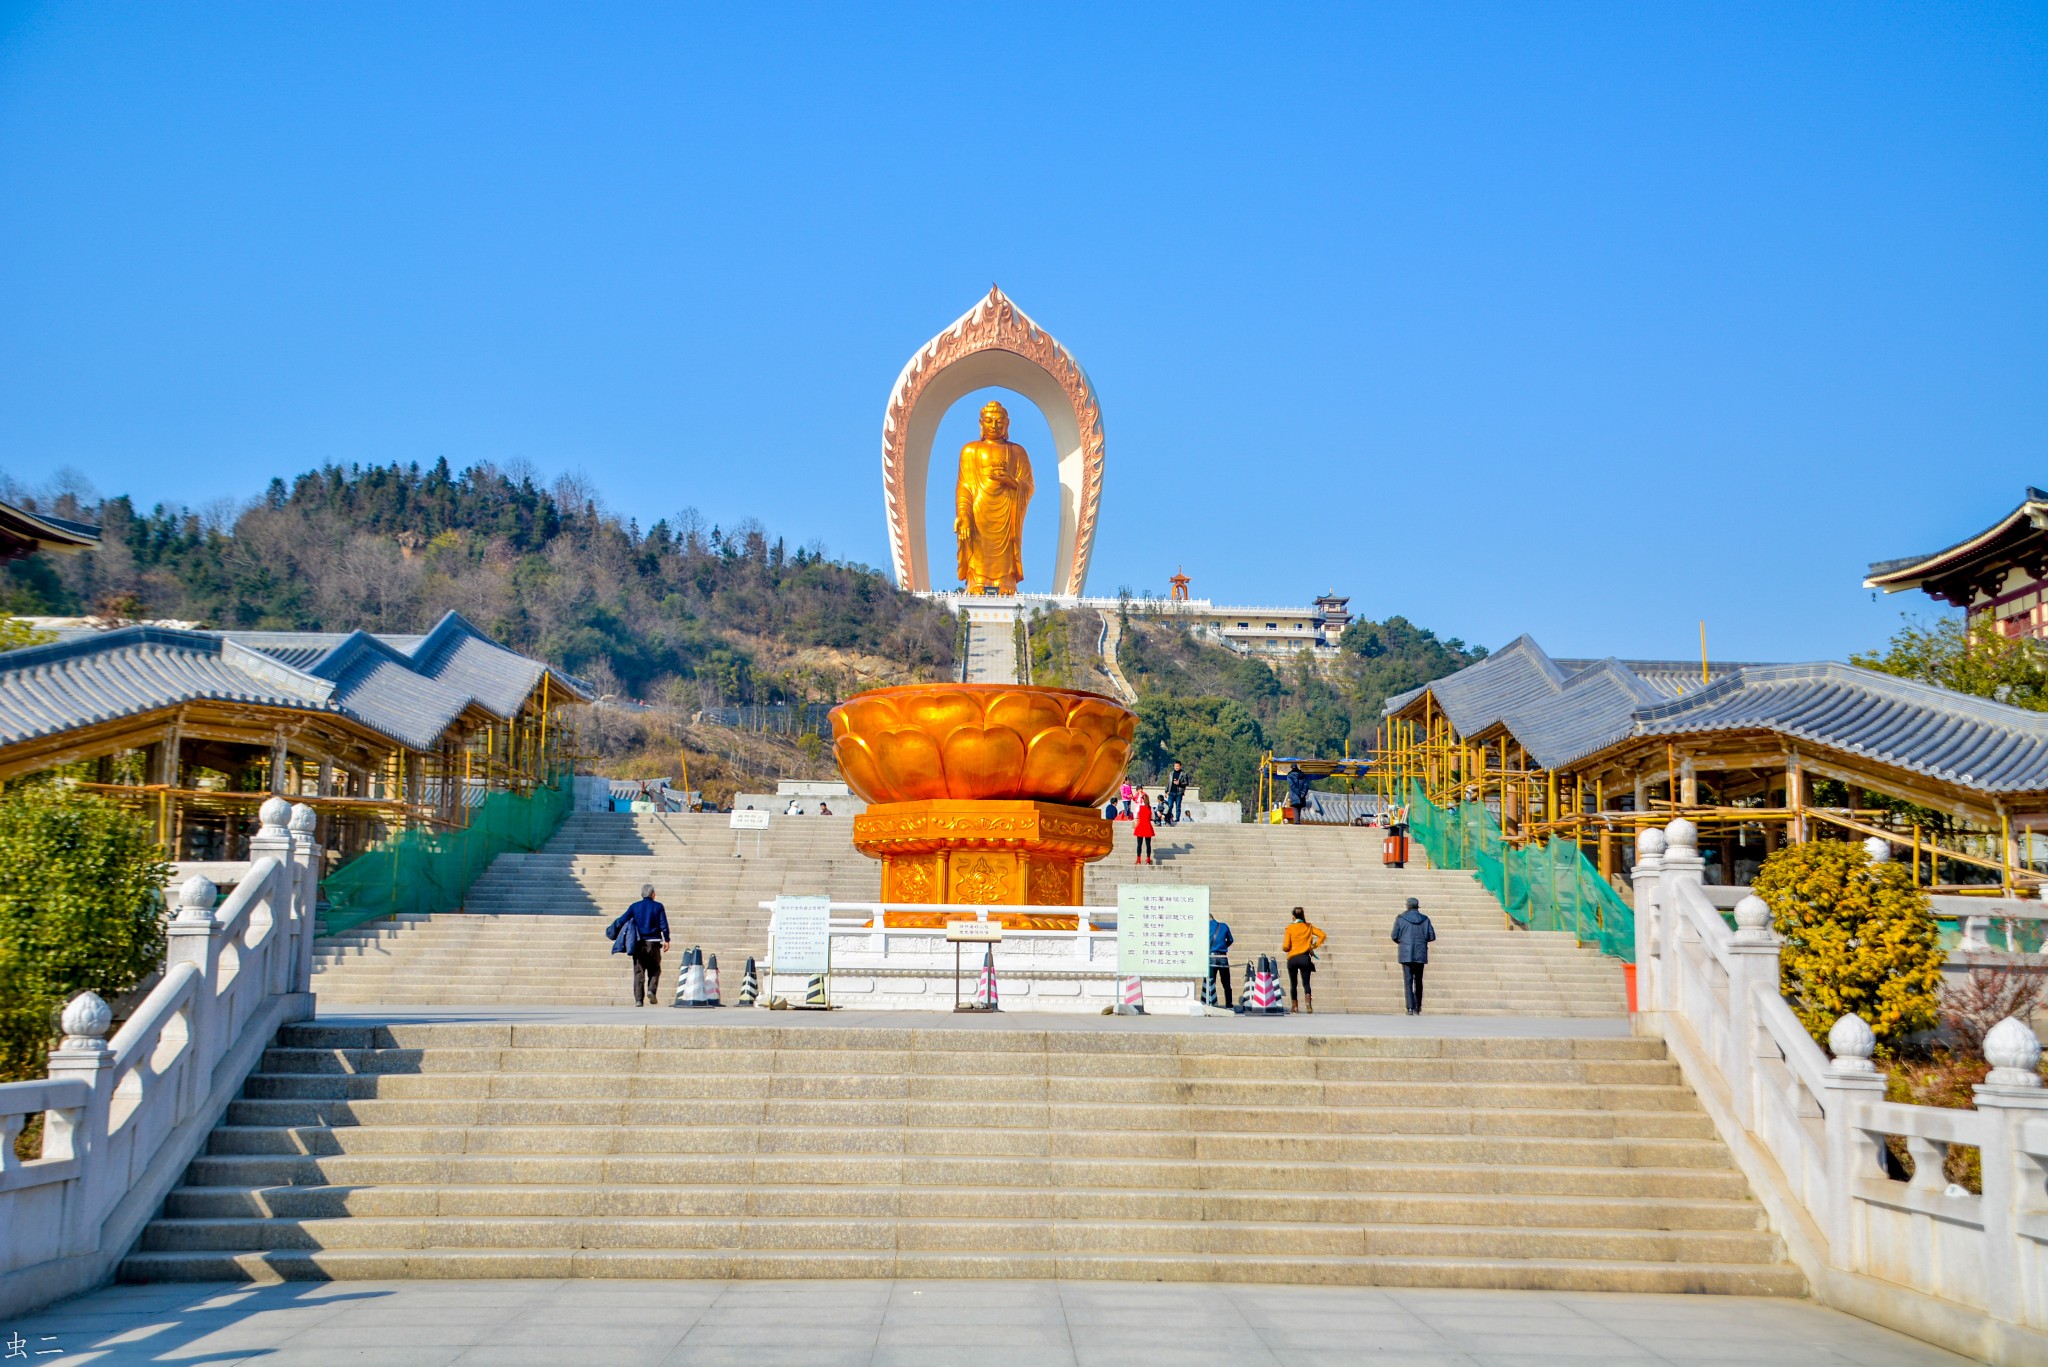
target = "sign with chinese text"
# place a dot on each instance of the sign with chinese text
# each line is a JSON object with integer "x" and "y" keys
{"x": 802, "y": 927}
{"x": 749, "y": 820}
{"x": 1162, "y": 930}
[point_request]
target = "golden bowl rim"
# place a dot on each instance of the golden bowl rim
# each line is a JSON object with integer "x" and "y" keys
{"x": 985, "y": 688}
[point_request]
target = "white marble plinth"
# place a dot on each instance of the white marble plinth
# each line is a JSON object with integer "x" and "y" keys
{"x": 1036, "y": 970}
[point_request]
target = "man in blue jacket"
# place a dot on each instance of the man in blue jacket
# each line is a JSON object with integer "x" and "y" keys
{"x": 1220, "y": 941}
{"x": 648, "y": 920}
{"x": 1413, "y": 932}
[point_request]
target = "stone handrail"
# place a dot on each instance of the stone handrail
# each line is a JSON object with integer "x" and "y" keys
{"x": 123, "y": 1119}
{"x": 1923, "y": 1256}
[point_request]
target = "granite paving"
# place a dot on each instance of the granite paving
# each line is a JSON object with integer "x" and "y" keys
{"x": 937, "y": 1324}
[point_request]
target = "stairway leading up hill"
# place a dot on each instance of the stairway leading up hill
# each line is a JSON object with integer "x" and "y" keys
{"x": 751, "y": 1146}
{"x": 531, "y": 930}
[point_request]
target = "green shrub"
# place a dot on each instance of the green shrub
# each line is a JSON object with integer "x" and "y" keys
{"x": 1859, "y": 937}
{"x": 81, "y": 909}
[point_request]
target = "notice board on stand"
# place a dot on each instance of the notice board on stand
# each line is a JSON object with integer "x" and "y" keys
{"x": 1162, "y": 930}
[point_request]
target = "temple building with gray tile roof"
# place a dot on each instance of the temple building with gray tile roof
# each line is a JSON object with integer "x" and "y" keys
{"x": 1996, "y": 576}
{"x": 1587, "y": 750}
{"x": 373, "y": 731}
{"x": 23, "y": 533}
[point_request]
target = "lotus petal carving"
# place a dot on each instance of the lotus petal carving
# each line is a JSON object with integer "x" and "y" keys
{"x": 982, "y": 741}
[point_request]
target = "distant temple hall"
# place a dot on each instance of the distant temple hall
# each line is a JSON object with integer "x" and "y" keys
{"x": 1995, "y": 576}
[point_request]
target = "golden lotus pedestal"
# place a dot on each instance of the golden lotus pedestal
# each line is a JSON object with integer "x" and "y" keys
{"x": 983, "y": 852}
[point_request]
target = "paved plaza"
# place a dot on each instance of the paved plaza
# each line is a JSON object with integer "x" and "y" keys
{"x": 938, "y": 1324}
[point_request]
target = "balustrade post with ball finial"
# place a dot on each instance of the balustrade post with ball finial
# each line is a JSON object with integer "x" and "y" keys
{"x": 273, "y": 840}
{"x": 191, "y": 939}
{"x": 305, "y": 899}
{"x": 1752, "y": 971}
{"x": 1650, "y": 967}
{"x": 1852, "y": 1152}
{"x": 2013, "y": 1097}
{"x": 1680, "y": 864}
{"x": 82, "y": 1055}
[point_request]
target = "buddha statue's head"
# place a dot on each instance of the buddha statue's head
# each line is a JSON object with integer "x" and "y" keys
{"x": 995, "y": 422}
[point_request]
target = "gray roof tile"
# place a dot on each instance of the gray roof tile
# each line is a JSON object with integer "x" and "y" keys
{"x": 376, "y": 681}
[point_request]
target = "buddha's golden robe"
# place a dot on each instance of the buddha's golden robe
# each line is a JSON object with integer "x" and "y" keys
{"x": 989, "y": 503}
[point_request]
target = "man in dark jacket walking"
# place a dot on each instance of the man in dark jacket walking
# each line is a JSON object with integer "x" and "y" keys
{"x": 1413, "y": 932}
{"x": 649, "y": 922}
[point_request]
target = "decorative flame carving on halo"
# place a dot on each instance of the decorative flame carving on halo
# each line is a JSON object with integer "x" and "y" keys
{"x": 994, "y": 324}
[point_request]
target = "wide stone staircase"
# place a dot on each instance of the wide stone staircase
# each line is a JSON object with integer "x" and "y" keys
{"x": 742, "y": 1146}
{"x": 531, "y": 931}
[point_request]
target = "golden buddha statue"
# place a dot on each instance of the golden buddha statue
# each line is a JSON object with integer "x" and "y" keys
{"x": 989, "y": 504}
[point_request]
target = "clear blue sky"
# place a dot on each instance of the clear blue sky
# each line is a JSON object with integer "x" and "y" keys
{"x": 1588, "y": 321}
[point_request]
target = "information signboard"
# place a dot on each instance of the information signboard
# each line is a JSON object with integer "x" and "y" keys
{"x": 749, "y": 820}
{"x": 975, "y": 932}
{"x": 802, "y": 927}
{"x": 1162, "y": 930}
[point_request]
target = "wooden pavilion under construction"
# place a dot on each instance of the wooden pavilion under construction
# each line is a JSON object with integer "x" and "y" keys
{"x": 377, "y": 733}
{"x": 1593, "y": 750}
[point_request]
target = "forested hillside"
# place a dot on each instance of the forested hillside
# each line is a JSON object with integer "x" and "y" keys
{"x": 682, "y": 615}
{"x": 681, "y": 612}
{"x": 1217, "y": 711}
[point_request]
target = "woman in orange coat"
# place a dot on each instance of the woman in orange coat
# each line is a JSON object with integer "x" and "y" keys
{"x": 1143, "y": 828}
{"x": 1299, "y": 946}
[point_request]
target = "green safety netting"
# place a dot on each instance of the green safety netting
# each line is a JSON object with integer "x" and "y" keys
{"x": 424, "y": 871}
{"x": 1546, "y": 886}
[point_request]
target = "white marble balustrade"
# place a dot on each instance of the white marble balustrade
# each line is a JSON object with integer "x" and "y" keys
{"x": 1809, "y": 1127}
{"x": 123, "y": 1117}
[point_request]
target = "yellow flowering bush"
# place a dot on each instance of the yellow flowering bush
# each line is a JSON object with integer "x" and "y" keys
{"x": 1858, "y": 937}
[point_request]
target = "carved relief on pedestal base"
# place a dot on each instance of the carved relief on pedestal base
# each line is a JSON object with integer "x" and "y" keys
{"x": 990, "y": 853}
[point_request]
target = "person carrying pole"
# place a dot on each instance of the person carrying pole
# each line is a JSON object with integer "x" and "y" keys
{"x": 1220, "y": 941}
{"x": 648, "y": 920}
{"x": 1297, "y": 793}
{"x": 1299, "y": 945}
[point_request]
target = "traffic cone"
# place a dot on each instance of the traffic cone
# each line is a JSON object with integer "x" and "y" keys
{"x": 750, "y": 985}
{"x": 1134, "y": 998}
{"x": 1209, "y": 988}
{"x": 985, "y": 997}
{"x": 1244, "y": 994}
{"x": 1262, "y": 989}
{"x": 1269, "y": 971}
{"x": 711, "y": 983}
{"x": 693, "y": 978}
{"x": 814, "y": 995}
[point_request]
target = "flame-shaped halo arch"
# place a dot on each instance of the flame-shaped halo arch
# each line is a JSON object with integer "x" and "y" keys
{"x": 993, "y": 344}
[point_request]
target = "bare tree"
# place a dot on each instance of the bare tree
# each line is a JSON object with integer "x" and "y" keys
{"x": 1991, "y": 993}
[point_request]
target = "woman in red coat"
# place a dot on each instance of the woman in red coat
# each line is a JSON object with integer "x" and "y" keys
{"x": 1143, "y": 828}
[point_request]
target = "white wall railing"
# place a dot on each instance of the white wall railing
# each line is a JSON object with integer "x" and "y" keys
{"x": 123, "y": 1118}
{"x": 1923, "y": 1255}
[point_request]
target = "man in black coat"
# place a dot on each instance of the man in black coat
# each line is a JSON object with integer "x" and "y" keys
{"x": 1413, "y": 932}
{"x": 649, "y": 920}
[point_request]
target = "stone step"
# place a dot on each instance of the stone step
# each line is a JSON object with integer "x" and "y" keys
{"x": 1741, "y": 1279}
{"x": 1007, "y": 1173}
{"x": 966, "y": 1141}
{"x": 643, "y": 1070}
{"x": 1265, "y": 1235}
{"x": 924, "y": 1202}
{"x": 787, "y": 1113}
{"x": 600, "y": 1091}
